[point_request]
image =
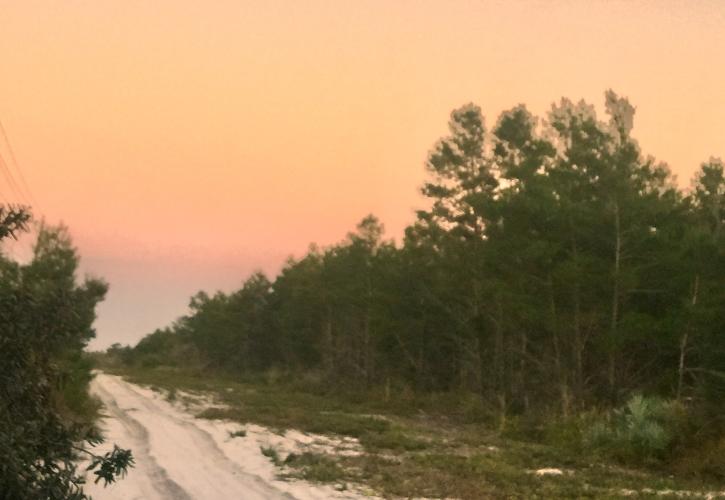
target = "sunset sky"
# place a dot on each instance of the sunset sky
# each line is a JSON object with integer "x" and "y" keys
{"x": 188, "y": 143}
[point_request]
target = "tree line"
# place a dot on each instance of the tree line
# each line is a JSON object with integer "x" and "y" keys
{"x": 555, "y": 266}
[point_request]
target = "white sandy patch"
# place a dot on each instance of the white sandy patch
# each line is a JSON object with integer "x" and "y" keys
{"x": 708, "y": 495}
{"x": 181, "y": 457}
{"x": 194, "y": 402}
{"x": 548, "y": 471}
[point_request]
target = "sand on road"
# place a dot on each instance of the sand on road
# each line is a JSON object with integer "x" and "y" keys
{"x": 181, "y": 457}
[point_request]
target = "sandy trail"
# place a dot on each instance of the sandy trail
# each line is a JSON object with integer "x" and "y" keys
{"x": 181, "y": 457}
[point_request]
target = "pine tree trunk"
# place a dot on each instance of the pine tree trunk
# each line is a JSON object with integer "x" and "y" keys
{"x": 578, "y": 344}
{"x": 684, "y": 340}
{"x": 523, "y": 371}
{"x": 327, "y": 347}
{"x": 499, "y": 364}
{"x": 367, "y": 350}
{"x": 612, "y": 371}
{"x": 558, "y": 366}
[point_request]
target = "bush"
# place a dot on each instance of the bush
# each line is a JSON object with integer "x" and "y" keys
{"x": 46, "y": 414}
{"x": 392, "y": 439}
{"x": 238, "y": 433}
{"x": 644, "y": 429}
{"x": 704, "y": 459}
{"x": 271, "y": 453}
{"x": 314, "y": 467}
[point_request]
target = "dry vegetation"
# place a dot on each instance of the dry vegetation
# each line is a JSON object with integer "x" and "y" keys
{"x": 417, "y": 447}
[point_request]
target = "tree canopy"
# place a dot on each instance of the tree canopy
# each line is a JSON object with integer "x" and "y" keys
{"x": 46, "y": 414}
{"x": 556, "y": 266}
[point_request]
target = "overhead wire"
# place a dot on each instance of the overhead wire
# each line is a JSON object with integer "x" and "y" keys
{"x": 16, "y": 192}
{"x": 15, "y": 163}
{"x": 2, "y": 194}
{"x": 7, "y": 246}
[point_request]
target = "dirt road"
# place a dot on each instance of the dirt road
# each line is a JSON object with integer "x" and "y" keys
{"x": 181, "y": 457}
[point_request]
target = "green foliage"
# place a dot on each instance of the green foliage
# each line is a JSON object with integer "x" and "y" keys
{"x": 112, "y": 465}
{"x": 171, "y": 396}
{"x": 46, "y": 414}
{"x": 13, "y": 220}
{"x": 707, "y": 459}
{"x": 392, "y": 439}
{"x": 459, "y": 460}
{"x": 643, "y": 429}
{"x": 238, "y": 433}
{"x": 271, "y": 453}
{"x": 74, "y": 377}
{"x": 556, "y": 268}
{"x": 316, "y": 467}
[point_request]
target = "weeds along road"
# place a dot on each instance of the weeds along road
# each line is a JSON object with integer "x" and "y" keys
{"x": 180, "y": 457}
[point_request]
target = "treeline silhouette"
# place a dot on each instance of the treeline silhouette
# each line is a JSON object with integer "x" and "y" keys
{"x": 556, "y": 267}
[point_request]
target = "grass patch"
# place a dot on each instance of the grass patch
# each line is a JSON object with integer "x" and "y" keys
{"x": 316, "y": 467}
{"x": 413, "y": 451}
{"x": 279, "y": 418}
{"x": 239, "y": 433}
{"x": 392, "y": 439}
{"x": 271, "y": 453}
{"x": 171, "y": 395}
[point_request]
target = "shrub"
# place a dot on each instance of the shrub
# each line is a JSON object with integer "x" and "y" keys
{"x": 392, "y": 439}
{"x": 645, "y": 428}
{"x": 271, "y": 453}
{"x": 315, "y": 467}
{"x": 238, "y": 433}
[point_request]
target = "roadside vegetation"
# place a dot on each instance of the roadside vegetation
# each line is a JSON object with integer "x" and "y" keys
{"x": 47, "y": 417}
{"x": 425, "y": 445}
{"x": 558, "y": 298}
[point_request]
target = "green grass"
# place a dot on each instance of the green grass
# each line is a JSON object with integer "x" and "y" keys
{"x": 414, "y": 453}
{"x": 271, "y": 453}
{"x": 392, "y": 439}
{"x": 239, "y": 433}
{"x": 171, "y": 395}
{"x": 316, "y": 467}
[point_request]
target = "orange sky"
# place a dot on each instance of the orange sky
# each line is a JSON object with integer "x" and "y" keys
{"x": 187, "y": 143}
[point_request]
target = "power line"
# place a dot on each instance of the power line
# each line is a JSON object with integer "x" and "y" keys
{"x": 15, "y": 190}
{"x": 10, "y": 247}
{"x": 2, "y": 194}
{"x": 14, "y": 160}
{"x": 3, "y": 198}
